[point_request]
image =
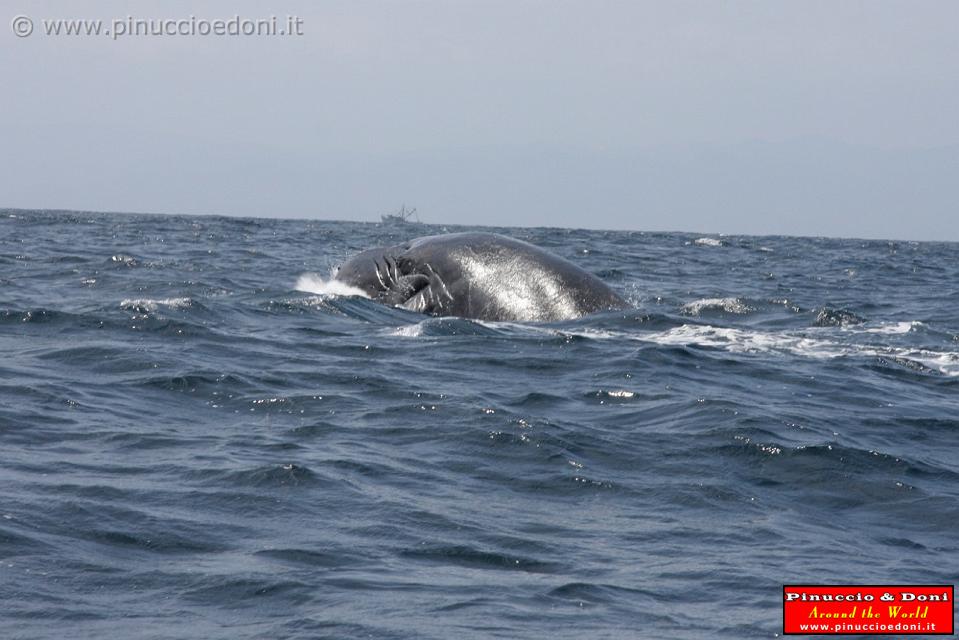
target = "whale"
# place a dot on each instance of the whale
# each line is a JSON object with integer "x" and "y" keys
{"x": 481, "y": 276}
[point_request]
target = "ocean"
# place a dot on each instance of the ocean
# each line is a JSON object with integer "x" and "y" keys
{"x": 201, "y": 438}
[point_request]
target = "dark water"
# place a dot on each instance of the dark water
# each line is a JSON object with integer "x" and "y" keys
{"x": 191, "y": 447}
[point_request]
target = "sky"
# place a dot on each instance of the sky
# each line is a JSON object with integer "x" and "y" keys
{"x": 817, "y": 118}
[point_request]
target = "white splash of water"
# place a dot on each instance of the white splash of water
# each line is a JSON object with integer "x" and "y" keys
{"x": 147, "y": 305}
{"x": 708, "y": 242}
{"x": 313, "y": 283}
{"x": 408, "y": 331}
{"x": 729, "y": 305}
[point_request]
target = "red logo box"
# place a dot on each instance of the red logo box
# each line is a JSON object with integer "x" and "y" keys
{"x": 875, "y": 609}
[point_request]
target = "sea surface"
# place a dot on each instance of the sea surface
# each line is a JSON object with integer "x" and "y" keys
{"x": 200, "y": 438}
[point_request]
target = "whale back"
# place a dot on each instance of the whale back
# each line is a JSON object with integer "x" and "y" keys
{"x": 484, "y": 276}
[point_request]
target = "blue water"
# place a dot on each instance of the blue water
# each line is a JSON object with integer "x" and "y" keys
{"x": 197, "y": 441}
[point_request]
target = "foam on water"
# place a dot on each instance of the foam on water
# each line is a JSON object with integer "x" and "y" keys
{"x": 800, "y": 344}
{"x": 792, "y": 343}
{"x": 812, "y": 343}
{"x": 894, "y": 328}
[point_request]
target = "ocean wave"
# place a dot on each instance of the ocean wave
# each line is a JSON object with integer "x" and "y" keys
{"x": 150, "y": 305}
{"x": 827, "y": 317}
{"x": 709, "y": 242}
{"x": 746, "y": 340}
{"x": 737, "y": 340}
{"x": 435, "y": 327}
{"x": 472, "y": 558}
{"x": 725, "y": 305}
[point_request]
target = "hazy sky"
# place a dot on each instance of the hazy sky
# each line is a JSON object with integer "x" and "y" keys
{"x": 814, "y": 118}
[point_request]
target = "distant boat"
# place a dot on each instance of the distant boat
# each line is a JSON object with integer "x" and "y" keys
{"x": 403, "y": 216}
